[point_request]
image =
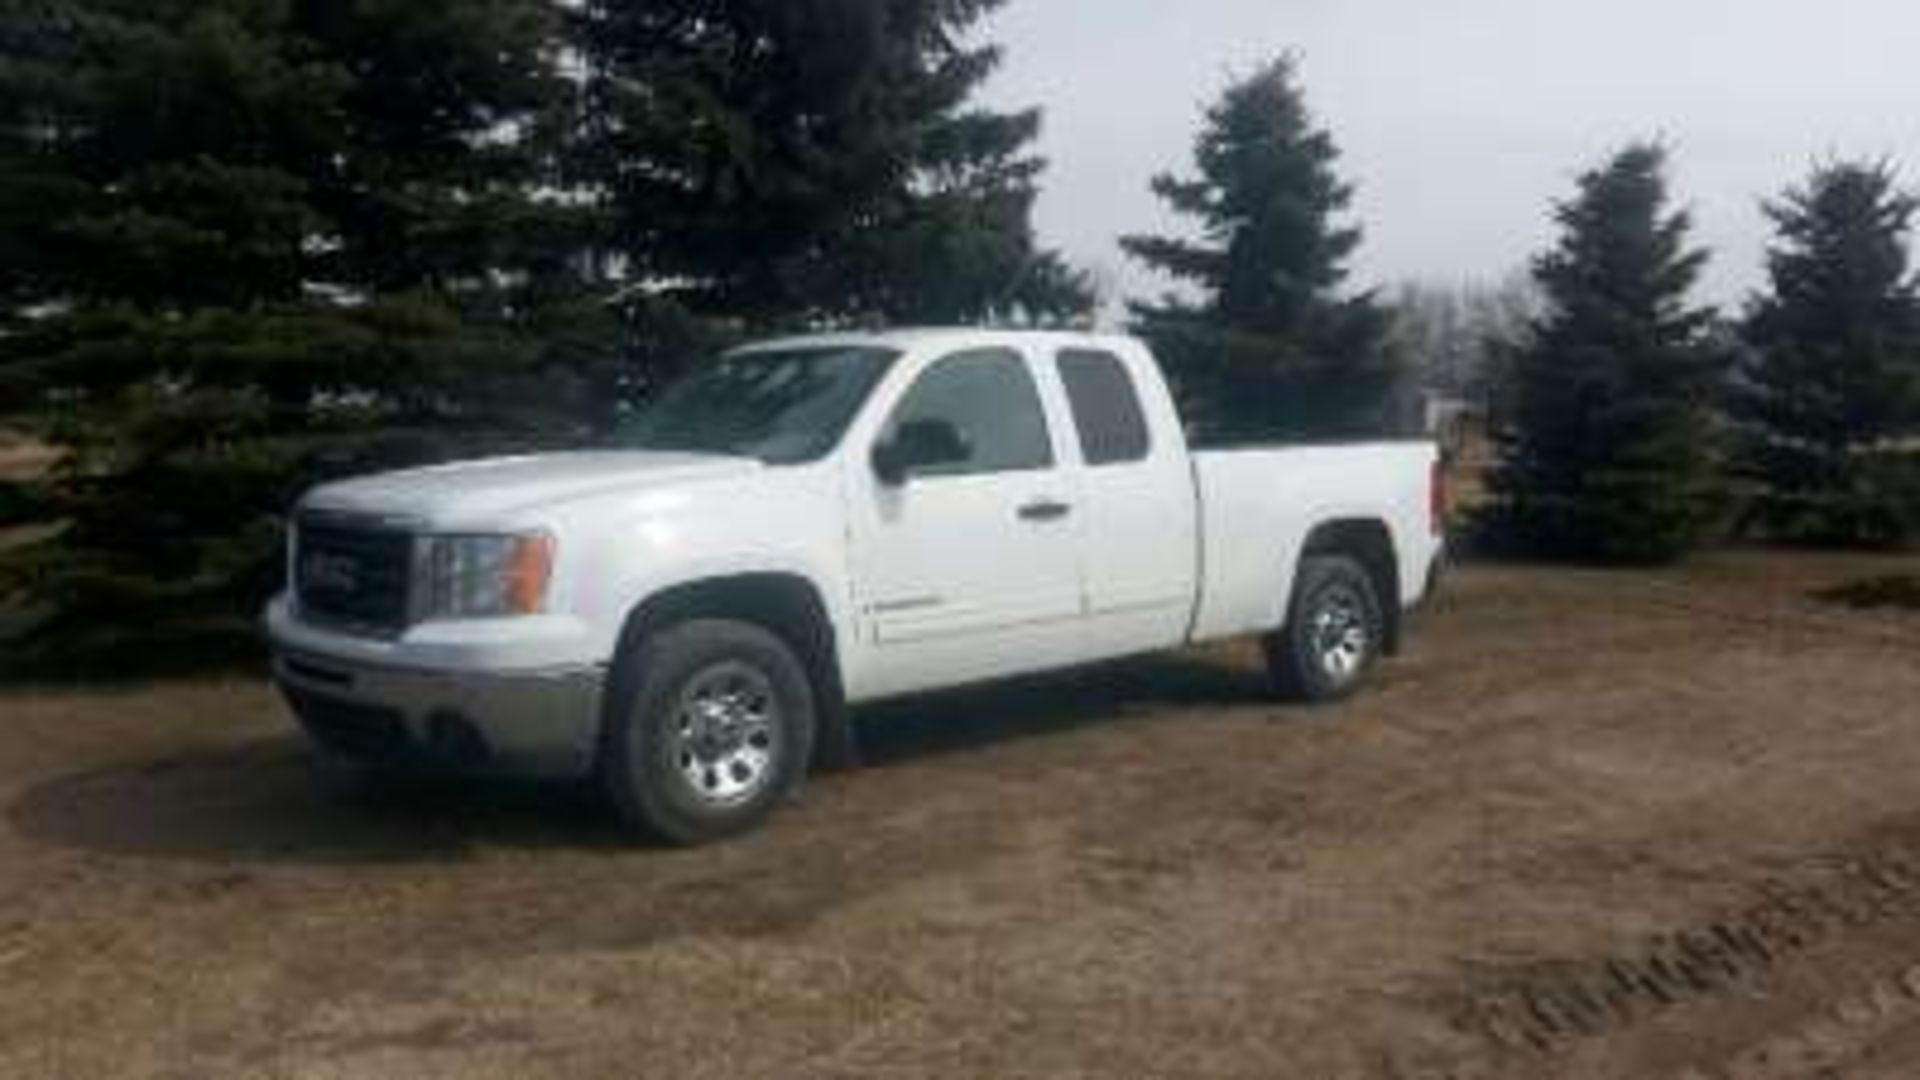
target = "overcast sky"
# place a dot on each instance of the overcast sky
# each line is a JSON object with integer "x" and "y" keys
{"x": 1460, "y": 120}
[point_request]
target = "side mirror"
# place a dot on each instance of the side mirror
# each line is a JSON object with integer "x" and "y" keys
{"x": 919, "y": 445}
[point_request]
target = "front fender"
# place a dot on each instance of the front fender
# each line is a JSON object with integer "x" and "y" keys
{"x": 786, "y": 522}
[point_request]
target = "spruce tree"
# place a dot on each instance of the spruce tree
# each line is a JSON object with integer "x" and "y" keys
{"x": 814, "y": 162}
{"x": 1832, "y": 380}
{"x": 1609, "y": 452}
{"x": 248, "y": 244}
{"x": 1269, "y": 347}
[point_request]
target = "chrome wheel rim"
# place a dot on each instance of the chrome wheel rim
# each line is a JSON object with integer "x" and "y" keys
{"x": 726, "y": 734}
{"x": 1338, "y": 633}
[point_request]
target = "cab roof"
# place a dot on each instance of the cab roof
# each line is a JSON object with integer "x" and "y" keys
{"x": 915, "y": 339}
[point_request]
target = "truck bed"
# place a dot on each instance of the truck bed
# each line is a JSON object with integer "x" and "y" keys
{"x": 1258, "y": 505}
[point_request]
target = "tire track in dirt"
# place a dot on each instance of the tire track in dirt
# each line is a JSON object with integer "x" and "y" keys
{"x": 1537, "y": 1011}
{"x": 1839, "y": 1038}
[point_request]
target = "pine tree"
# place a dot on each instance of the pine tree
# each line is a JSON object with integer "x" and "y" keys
{"x": 814, "y": 162}
{"x": 1270, "y": 347}
{"x": 1833, "y": 379}
{"x": 248, "y": 244}
{"x": 1609, "y": 453}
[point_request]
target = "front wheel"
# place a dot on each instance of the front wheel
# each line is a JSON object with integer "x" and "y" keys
{"x": 711, "y": 728}
{"x": 1333, "y": 633}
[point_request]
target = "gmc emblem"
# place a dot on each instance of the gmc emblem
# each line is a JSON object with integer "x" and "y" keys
{"x": 330, "y": 573}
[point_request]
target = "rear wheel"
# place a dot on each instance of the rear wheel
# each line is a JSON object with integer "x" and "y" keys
{"x": 1333, "y": 633}
{"x": 711, "y": 728}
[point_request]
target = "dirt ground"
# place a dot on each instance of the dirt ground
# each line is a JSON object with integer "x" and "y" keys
{"x": 1593, "y": 825}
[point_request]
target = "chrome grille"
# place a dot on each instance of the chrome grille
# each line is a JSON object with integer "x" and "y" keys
{"x": 353, "y": 573}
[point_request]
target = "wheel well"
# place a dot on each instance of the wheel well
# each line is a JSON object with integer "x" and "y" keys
{"x": 786, "y": 604}
{"x": 1368, "y": 542}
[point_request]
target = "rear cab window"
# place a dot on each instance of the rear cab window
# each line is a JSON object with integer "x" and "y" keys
{"x": 1106, "y": 408}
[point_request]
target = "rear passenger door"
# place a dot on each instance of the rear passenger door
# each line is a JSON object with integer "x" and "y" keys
{"x": 1139, "y": 522}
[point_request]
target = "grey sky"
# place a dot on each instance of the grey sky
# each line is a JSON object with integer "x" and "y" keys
{"x": 1461, "y": 119}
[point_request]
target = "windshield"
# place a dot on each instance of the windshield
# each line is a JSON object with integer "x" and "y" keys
{"x": 782, "y": 407}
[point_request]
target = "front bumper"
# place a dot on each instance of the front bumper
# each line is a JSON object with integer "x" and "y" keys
{"x": 542, "y": 723}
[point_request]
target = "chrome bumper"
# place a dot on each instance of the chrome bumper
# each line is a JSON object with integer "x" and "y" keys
{"x": 537, "y": 724}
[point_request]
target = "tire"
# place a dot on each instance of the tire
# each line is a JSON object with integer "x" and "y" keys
{"x": 710, "y": 727}
{"x": 1333, "y": 633}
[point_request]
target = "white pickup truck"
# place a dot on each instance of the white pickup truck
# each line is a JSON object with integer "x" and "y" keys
{"x": 808, "y": 524}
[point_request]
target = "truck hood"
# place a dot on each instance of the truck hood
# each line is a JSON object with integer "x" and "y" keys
{"x": 482, "y": 492}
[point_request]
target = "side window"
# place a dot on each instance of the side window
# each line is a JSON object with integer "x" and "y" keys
{"x": 1113, "y": 429}
{"x": 989, "y": 396}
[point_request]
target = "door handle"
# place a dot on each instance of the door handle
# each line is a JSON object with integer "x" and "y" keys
{"x": 1044, "y": 510}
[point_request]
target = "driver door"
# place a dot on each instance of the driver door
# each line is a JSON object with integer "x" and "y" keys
{"x": 969, "y": 570}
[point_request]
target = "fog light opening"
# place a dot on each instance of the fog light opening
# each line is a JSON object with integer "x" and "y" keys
{"x": 455, "y": 740}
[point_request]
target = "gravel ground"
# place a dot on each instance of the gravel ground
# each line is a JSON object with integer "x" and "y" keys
{"x": 1594, "y": 825}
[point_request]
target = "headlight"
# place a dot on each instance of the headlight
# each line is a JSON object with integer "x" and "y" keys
{"x": 480, "y": 577}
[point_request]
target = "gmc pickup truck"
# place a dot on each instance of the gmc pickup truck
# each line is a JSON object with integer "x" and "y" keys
{"x": 805, "y": 525}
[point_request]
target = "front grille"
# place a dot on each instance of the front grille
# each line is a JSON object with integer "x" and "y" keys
{"x": 370, "y": 733}
{"x": 353, "y": 574}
